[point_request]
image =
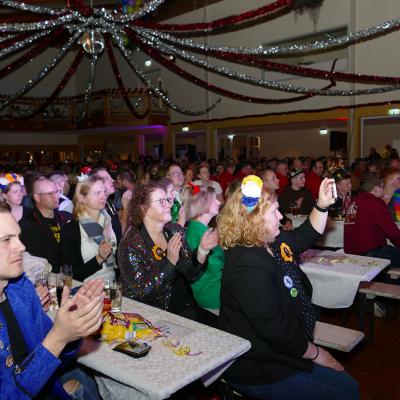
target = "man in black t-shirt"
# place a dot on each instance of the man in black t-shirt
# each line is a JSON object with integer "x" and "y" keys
{"x": 40, "y": 231}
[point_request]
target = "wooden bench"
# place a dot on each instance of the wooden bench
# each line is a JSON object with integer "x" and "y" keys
{"x": 336, "y": 337}
{"x": 394, "y": 273}
{"x": 380, "y": 289}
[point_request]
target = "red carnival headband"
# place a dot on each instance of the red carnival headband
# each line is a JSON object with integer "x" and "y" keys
{"x": 195, "y": 188}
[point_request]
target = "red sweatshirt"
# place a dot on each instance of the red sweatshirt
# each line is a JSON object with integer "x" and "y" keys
{"x": 368, "y": 225}
{"x": 313, "y": 182}
{"x": 283, "y": 182}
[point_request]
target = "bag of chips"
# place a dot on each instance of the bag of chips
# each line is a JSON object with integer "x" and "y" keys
{"x": 127, "y": 326}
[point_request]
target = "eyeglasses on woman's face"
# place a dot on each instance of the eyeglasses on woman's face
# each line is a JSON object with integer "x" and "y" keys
{"x": 164, "y": 202}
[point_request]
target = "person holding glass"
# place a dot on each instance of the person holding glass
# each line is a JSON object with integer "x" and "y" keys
{"x": 88, "y": 242}
{"x": 266, "y": 298}
{"x": 155, "y": 262}
{"x": 34, "y": 351}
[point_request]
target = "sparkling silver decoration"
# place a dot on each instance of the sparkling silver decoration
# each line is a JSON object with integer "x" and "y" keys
{"x": 89, "y": 30}
{"x": 144, "y": 10}
{"x": 283, "y": 50}
{"x": 41, "y": 25}
{"x": 92, "y": 42}
{"x": 119, "y": 104}
{"x": 33, "y": 81}
{"x": 274, "y": 85}
{"x": 89, "y": 88}
{"x": 21, "y": 44}
{"x": 34, "y": 9}
{"x": 7, "y": 37}
{"x": 142, "y": 76}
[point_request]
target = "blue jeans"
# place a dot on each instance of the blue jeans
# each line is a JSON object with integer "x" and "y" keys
{"x": 87, "y": 389}
{"x": 321, "y": 384}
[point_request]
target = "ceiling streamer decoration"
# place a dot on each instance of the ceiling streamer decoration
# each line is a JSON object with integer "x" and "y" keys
{"x": 91, "y": 32}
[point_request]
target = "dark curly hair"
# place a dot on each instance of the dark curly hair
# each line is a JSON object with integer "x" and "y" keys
{"x": 140, "y": 202}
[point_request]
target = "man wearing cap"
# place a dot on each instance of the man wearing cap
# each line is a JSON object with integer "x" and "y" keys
{"x": 296, "y": 198}
{"x": 368, "y": 224}
{"x": 343, "y": 187}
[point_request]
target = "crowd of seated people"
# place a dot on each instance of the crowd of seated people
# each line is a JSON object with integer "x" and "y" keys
{"x": 191, "y": 238}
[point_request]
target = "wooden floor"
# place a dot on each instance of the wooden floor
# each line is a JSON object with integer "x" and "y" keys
{"x": 375, "y": 364}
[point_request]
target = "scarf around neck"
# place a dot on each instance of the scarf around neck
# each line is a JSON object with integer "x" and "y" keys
{"x": 94, "y": 229}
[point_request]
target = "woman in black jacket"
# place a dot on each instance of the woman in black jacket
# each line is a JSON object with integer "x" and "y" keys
{"x": 154, "y": 259}
{"x": 266, "y": 298}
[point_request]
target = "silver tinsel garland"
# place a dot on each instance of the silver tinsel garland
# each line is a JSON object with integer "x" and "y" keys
{"x": 274, "y": 85}
{"x": 142, "y": 76}
{"x": 144, "y": 10}
{"x": 7, "y": 37}
{"x": 33, "y": 81}
{"x": 282, "y": 50}
{"x": 103, "y": 21}
{"x": 41, "y": 25}
{"x": 90, "y": 85}
{"x": 21, "y": 44}
{"x": 34, "y": 9}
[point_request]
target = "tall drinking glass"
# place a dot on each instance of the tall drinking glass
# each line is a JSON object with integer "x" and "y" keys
{"x": 59, "y": 288}
{"x": 116, "y": 296}
{"x": 42, "y": 278}
{"x": 66, "y": 272}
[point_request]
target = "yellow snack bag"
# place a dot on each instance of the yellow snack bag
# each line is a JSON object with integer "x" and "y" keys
{"x": 126, "y": 326}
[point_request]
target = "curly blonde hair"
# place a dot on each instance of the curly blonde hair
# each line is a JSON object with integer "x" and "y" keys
{"x": 239, "y": 227}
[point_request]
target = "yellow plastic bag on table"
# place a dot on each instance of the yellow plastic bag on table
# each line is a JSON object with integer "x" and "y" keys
{"x": 126, "y": 326}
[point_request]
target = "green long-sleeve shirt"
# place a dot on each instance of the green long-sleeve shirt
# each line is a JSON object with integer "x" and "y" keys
{"x": 207, "y": 288}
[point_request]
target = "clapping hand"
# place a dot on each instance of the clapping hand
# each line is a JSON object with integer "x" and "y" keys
{"x": 104, "y": 251}
{"x": 209, "y": 240}
{"x": 88, "y": 291}
{"x": 182, "y": 217}
{"x": 126, "y": 199}
{"x": 78, "y": 317}
{"x": 173, "y": 248}
{"x": 74, "y": 322}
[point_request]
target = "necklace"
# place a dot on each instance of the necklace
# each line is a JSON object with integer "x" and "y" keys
{"x": 158, "y": 252}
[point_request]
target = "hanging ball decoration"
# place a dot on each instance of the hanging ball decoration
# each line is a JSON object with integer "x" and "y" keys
{"x": 92, "y": 42}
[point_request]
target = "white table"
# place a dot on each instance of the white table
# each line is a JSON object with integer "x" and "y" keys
{"x": 335, "y": 276}
{"x": 161, "y": 373}
{"x": 333, "y": 234}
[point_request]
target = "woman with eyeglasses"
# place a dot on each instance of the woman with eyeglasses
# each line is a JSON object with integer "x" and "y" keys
{"x": 155, "y": 261}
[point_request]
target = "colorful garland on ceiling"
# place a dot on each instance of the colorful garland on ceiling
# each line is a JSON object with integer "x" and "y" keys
{"x": 98, "y": 29}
